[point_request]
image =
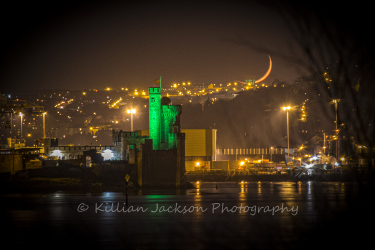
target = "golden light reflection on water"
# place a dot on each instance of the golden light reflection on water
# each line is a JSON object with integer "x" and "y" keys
{"x": 198, "y": 202}
{"x": 299, "y": 187}
{"x": 242, "y": 189}
{"x": 198, "y": 186}
{"x": 243, "y": 184}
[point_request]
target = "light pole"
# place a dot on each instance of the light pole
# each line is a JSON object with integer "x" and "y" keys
{"x": 335, "y": 101}
{"x": 21, "y": 125}
{"x": 131, "y": 112}
{"x": 44, "y": 125}
{"x": 287, "y": 124}
{"x": 271, "y": 153}
{"x": 11, "y": 128}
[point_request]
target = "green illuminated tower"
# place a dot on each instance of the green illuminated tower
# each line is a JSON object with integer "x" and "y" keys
{"x": 170, "y": 126}
{"x": 155, "y": 116}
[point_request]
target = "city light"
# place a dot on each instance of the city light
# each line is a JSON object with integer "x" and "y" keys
{"x": 314, "y": 158}
{"x": 131, "y": 111}
{"x": 107, "y": 154}
{"x": 309, "y": 165}
{"x": 57, "y": 153}
{"x": 115, "y": 104}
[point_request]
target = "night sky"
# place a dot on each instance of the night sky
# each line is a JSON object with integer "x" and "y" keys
{"x": 112, "y": 44}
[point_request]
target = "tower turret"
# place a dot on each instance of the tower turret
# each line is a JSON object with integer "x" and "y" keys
{"x": 155, "y": 116}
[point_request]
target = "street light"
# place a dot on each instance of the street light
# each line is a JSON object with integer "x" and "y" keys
{"x": 44, "y": 125}
{"x": 132, "y": 112}
{"x": 287, "y": 124}
{"x": 335, "y": 101}
{"x": 242, "y": 163}
{"x": 21, "y": 125}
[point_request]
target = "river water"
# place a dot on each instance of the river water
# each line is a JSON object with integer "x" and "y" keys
{"x": 254, "y": 215}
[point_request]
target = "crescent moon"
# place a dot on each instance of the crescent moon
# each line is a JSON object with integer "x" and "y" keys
{"x": 267, "y": 73}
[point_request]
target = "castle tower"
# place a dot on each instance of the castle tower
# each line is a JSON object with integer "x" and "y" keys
{"x": 170, "y": 126}
{"x": 155, "y": 116}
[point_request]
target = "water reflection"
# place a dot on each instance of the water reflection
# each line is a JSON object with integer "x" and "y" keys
{"x": 242, "y": 189}
{"x": 248, "y": 214}
{"x": 309, "y": 187}
{"x": 197, "y": 187}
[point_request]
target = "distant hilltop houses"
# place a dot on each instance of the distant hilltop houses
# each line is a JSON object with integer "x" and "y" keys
{"x": 193, "y": 92}
{"x": 89, "y": 127}
{"x": 66, "y": 113}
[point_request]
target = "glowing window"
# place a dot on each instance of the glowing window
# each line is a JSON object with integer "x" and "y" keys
{"x": 57, "y": 153}
{"x": 107, "y": 154}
